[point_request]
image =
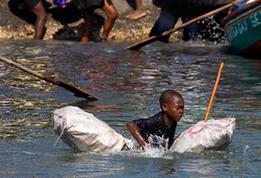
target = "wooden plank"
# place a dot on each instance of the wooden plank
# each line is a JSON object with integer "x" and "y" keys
{"x": 68, "y": 86}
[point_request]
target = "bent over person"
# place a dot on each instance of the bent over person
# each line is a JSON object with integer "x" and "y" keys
{"x": 172, "y": 10}
{"x": 86, "y": 8}
{"x": 159, "y": 130}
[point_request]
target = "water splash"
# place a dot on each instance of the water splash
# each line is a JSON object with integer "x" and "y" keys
{"x": 154, "y": 152}
{"x": 148, "y": 152}
{"x": 247, "y": 150}
{"x": 151, "y": 150}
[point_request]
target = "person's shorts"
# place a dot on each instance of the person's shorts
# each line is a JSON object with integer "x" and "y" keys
{"x": 87, "y": 7}
{"x": 89, "y": 4}
{"x": 31, "y": 3}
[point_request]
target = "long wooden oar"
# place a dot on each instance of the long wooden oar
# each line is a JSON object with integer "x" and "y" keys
{"x": 151, "y": 39}
{"x": 75, "y": 89}
{"x": 214, "y": 91}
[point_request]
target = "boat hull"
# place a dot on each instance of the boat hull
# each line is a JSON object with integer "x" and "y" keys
{"x": 243, "y": 28}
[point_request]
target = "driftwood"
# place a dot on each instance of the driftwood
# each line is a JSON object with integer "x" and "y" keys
{"x": 70, "y": 87}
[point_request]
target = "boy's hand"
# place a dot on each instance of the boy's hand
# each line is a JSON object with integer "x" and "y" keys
{"x": 134, "y": 130}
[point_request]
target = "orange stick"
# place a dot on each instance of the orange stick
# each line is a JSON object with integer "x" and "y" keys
{"x": 214, "y": 91}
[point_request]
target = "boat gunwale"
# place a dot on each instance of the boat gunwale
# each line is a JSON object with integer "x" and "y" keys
{"x": 240, "y": 17}
{"x": 241, "y": 11}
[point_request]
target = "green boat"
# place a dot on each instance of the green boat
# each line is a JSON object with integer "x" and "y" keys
{"x": 243, "y": 28}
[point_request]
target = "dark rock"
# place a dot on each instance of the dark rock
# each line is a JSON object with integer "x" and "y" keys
{"x": 75, "y": 33}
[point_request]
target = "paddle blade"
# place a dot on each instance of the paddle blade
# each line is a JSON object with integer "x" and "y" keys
{"x": 138, "y": 45}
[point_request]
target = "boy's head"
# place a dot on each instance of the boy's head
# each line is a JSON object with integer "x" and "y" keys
{"x": 172, "y": 104}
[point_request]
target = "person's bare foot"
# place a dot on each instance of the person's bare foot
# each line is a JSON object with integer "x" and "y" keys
{"x": 137, "y": 14}
{"x": 84, "y": 40}
{"x": 104, "y": 38}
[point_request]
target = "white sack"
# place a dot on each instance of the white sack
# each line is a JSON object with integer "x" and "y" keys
{"x": 210, "y": 135}
{"x": 84, "y": 132}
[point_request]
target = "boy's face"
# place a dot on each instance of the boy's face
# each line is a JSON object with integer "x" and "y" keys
{"x": 174, "y": 109}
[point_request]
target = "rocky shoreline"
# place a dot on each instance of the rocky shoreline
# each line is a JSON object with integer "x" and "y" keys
{"x": 123, "y": 29}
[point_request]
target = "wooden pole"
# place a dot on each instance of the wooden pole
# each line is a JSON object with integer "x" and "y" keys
{"x": 214, "y": 91}
{"x": 151, "y": 39}
{"x": 75, "y": 89}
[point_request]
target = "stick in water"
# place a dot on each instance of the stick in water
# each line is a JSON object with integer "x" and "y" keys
{"x": 75, "y": 89}
{"x": 214, "y": 91}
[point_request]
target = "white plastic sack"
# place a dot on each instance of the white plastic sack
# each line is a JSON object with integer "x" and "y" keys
{"x": 84, "y": 132}
{"x": 210, "y": 135}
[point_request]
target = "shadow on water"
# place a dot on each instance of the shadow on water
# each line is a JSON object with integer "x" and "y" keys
{"x": 129, "y": 84}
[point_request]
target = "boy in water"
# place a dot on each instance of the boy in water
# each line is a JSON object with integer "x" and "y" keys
{"x": 159, "y": 130}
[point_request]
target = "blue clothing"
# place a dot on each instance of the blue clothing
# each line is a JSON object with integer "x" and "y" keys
{"x": 239, "y": 6}
{"x": 61, "y": 3}
{"x": 167, "y": 20}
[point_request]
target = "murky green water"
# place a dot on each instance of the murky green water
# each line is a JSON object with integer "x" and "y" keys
{"x": 129, "y": 84}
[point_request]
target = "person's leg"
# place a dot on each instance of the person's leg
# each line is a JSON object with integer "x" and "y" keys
{"x": 88, "y": 18}
{"x": 41, "y": 15}
{"x": 111, "y": 15}
{"x": 191, "y": 32}
{"x": 166, "y": 21}
{"x": 139, "y": 11}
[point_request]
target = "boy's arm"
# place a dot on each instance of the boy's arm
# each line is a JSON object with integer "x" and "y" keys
{"x": 135, "y": 132}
